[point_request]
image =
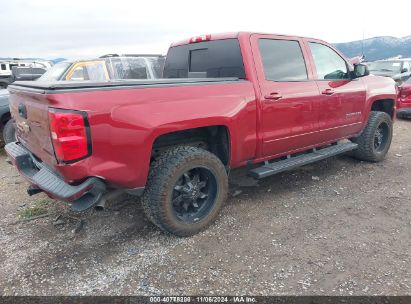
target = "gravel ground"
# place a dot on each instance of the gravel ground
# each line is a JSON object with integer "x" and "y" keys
{"x": 338, "y": 227}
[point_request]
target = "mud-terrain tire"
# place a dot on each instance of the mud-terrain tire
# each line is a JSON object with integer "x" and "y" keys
{"x": 9, "y": 132}
{"x": 375, "y": 140}
{"x": 186, "y": 188}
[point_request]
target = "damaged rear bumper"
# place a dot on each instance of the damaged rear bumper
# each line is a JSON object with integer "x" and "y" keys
{"x": 42, "y": 178}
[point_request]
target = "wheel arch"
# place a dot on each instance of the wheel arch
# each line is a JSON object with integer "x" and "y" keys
{"x": 215, "y": 138}
{"x": 386, "y": 105}
{"x": 4, "y": 118}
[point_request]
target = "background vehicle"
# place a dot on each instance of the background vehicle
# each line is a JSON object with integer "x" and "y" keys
{"x": 6, "y": 125}
{"x": 397, "y": 69}
{"x": 108, "y": 67}
{"x": 6, "y": 69}
{"x": 404, "y": 99}
{"x": 276, "y": 102}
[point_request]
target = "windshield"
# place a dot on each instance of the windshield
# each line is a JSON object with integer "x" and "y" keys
{"x": 385, "y": 66}
{"x": 55, "y": 72}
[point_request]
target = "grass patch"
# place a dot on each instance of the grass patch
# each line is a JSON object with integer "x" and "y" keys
{"x": 39, "y": 208}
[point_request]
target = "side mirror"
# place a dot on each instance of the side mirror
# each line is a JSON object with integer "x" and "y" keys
{"x": 404, "y": 70}
{"x": 360, "y": 70}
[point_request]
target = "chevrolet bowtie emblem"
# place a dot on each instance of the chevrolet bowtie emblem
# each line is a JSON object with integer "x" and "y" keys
{"x": 23, "y": 127}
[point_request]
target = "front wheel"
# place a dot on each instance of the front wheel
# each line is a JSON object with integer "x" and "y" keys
{"x": 375, "y": 140}
{"x": 186, "y": 189}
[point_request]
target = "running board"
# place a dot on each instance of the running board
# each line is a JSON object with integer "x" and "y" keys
{"x": 300, "y": 160}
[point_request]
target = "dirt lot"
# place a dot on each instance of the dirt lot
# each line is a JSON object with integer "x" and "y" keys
{"x": 338, "y": 227}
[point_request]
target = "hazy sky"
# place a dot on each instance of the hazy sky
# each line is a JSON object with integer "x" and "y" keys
{"x": 74, "y": 29}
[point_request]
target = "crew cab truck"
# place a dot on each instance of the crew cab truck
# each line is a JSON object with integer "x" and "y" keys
{"x": 225, "y": 101}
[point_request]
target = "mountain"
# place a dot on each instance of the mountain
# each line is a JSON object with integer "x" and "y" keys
{"x": 377, "y": 47}
{"x": 57, "y": 60}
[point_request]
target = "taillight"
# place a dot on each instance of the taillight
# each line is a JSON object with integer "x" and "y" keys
{"x": 69, "y": 134}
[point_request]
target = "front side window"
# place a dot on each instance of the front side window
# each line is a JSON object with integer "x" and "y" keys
{"x": 328, "y": 63}
{"x": 282, "y": 60}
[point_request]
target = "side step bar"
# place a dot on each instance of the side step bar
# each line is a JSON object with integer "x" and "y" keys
{"x": 301, "y": 160}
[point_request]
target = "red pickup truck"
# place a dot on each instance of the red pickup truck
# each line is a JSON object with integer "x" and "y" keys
{"x": 269, "y": 101}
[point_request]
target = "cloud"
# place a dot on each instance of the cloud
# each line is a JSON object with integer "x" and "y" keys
{"x": 46, "y": 28}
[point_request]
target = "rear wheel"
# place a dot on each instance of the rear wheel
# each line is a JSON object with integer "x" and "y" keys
{"x": 9, "y": 132}
{"x": 187, "y": 187}
{"x": 375, "y": 140}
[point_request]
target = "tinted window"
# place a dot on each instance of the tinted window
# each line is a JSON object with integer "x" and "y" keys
{"x": 328, "y": 63}
{"x": 3, "y": 66}
{"x": 282, "y": 60}
{"x": 220, "y": 58}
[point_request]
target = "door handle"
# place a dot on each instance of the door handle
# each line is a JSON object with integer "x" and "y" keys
{"x": 273, "y": 96}
{"x": 328, "y": 92}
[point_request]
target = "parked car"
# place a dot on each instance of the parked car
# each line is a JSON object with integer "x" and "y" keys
{"x": 397, "y": 69}
{"x": 7, "y": 126}
{"x": 108, "y": 67}
{"x": 6, "y": 123}
{"x": 275, "y": 102}
{"x": 112, "y": 67}
{"x": 7, "y": 66}
{"x": 404, "y": 99}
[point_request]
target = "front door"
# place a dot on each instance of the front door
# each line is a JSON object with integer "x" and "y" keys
{"x": 288, "y": 120}
{"x": 342, "y": 99}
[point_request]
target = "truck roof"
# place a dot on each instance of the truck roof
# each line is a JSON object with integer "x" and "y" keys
{"x": 231, "y": 35}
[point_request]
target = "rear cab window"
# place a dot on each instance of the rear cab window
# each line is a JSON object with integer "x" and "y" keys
{"x": 208, "y": 59}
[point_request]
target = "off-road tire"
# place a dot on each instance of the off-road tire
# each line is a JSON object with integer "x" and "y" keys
{"x": 365, "y": 141}
{"x": 9, "y": 132}
{"x": 164, "y": 173}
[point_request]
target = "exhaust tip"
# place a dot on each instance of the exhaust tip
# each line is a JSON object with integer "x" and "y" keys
{"x": 33, "y": 190}
{"x": 99, "y": 208}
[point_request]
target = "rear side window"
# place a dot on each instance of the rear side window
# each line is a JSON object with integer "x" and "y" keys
{"x": 282, "y": 60}
{"x": 210, "y": 59}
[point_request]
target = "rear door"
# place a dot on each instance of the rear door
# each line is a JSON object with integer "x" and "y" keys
{"x": 342, "y": 99}
{"x": 288, "y": 119}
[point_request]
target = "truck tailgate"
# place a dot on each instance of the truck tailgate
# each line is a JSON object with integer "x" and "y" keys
{"x": 30, "y": 111}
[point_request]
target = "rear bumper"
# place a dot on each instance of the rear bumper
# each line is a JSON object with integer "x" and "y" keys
{"x": 82, "y": 196}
